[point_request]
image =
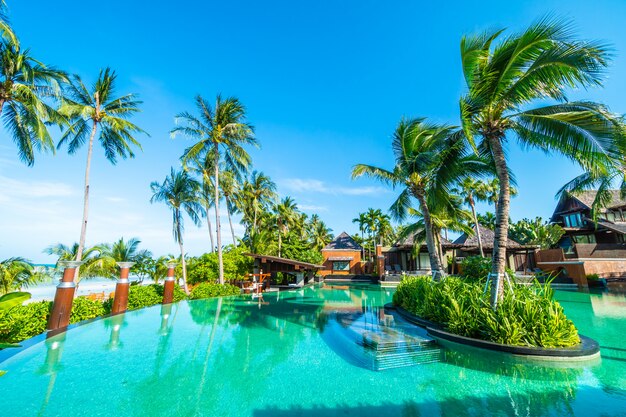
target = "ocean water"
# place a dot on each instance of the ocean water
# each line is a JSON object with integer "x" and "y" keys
{"x": 272, "y": 357}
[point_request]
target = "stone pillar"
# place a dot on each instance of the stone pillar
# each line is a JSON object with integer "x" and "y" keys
{"x": 168, "y": 286}
{"x": 62, "y": 306}
{"x": 120, "y": 302}
{"x": 380, "y": 262}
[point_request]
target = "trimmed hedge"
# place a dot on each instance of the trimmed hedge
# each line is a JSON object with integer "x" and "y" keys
{"x": 526, "y": 316}
{"x": 207, "y": 289}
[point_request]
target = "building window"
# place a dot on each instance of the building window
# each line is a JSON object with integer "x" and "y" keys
{"x": 341, "y": 266}
{"x": 573, "y": 220}
{"x": 585, "y": 239}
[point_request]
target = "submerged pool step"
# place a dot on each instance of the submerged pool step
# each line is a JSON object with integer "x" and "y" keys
{"x": 393, "y": 349}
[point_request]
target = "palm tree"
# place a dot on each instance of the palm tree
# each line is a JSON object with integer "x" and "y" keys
{"x": 230, "y": 188}
{"x": 221, "y": 132}
{"x": 473, "y": 190}
{"x": 98, "y": 112}
{"x": 121, "y": 251}
{"x": 203, "y": 167}
{"x": 93, "y": 264}
{"x": 361, "y": 221}
{"x": 492, "y": 192}
{"x": 25, "y": 84}
{"x": 530, "y": 67}
{"x": 285, "y": 216}
{"x": 255, "y": 195}
{"x": 428, "y": 159}
{"x": 16, "y": 273}
{"x": 5, "y": 28}
{"x": 180, "y": 192}
{"x": 487, "y": 220}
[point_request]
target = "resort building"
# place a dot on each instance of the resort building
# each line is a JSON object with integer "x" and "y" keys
{"x": 342, "y": 256}
{"x": 588, "y": 246}
{"x": 403, "y": 257}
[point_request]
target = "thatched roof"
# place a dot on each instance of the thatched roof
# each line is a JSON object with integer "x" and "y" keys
{"x": 587, "y": 198}
{"x": 410, "y": 241}
{"x": 343, "y": 242}
{"x": 487, "y": 237}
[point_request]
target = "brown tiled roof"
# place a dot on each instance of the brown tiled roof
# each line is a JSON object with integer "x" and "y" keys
{"x": 486, "y": 235}
{"x": 343, "y": 242}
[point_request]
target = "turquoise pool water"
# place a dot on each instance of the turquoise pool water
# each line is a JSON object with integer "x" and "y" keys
{"x": 272, "y": 357}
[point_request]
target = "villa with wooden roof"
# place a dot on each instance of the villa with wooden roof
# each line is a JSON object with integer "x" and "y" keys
{"x": 342, "y": 256}
{"x": 588, "y": 246}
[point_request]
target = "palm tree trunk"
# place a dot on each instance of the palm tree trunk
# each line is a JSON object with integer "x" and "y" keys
{"x": 480, "y": 240}
{"x": 208, "y": 222}
{"x": 83, "y": 227}
{"x": 502, "y": 219}
{"x": 218, "y": 231}
{"x": 435, "y": 264}
{"x": 182, "y": 260}
{"x": 230, "y": 221}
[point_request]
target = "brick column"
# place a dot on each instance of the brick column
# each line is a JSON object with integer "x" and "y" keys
{"x": 62, "y": 306}
{"x": 120, "y": 302}
{"x": 168, "y": 286}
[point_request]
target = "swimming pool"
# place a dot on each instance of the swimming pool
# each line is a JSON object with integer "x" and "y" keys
{"x": 277, "y": 356}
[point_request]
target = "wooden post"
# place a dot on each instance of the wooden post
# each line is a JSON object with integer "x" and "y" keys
{"x": 120, "y": 302}
{"x": 62, "y": 306}
{"x": 168, "y": 286}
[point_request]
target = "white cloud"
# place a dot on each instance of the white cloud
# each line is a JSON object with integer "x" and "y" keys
{"x": 16, "y": 189}
{"x": 317, "y": 186}
{"x": 312, "y": 207}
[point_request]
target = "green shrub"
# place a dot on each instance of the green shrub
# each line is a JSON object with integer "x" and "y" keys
{"x": 475, "y": 268}
{"x": 85, "y": 309}
{"x": 207, "y": 289}
{"x": 593, "y": 277}
{"x": 526, "y": 316}
{"x": 205, "y": 268}
{"x": 21, "y": 322}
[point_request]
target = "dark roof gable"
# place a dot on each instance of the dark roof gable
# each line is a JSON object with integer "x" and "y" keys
{"x": 343, "y": 242}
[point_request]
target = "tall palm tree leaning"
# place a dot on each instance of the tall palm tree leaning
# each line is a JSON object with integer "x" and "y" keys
{"x": 25, "y": 84}
{"x": 221, "y": 131}
{"x": 429, "y": 158}
{"x": 180, "y": 192}
{"x": 473, "y": 190}
{"x": 98, "y": 112}
{"x": 505, "y": 79}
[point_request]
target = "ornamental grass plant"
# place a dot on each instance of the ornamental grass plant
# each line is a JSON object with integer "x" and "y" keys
{"x": 527, "y": 315}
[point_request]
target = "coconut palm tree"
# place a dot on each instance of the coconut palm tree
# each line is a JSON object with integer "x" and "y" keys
{"x": 179, "y": 191}
{"x": 25, "y": 84}
{"x": 255, "y": 195}
{"x": 285, "y": 217}
{"x": 429, "y": 158}
{"x": 6, "y": 32}
{"x": 203, "y": 168}
{"x": 473, "y": 190}
{"x": 230, "y": 187}
{"x": 492, "y": 192}
{"x": 98, "y": 112}
{"x": 93, "y": 263}
{"x": 16, "y": 273}
{"x": 505, "y": 77}
{"x": 320, "y": 235}
{"x": 221, "y": 132}
{"x": 121, "y": 251}
{"x": 361, "y": 221}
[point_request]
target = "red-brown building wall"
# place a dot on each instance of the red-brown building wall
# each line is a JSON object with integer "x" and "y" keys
{"x": 355, "y": 263}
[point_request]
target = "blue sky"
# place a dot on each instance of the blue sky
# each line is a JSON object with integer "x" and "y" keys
{"x": 324, "y": 82}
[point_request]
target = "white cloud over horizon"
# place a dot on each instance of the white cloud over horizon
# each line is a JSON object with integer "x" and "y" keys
{"x": 313, "y": 185}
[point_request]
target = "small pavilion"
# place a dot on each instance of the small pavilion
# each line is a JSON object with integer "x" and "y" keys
{"x": 303, "y": 272}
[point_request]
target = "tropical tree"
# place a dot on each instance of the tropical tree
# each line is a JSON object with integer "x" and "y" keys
{"x": 221, "y": 132}
{"x": 491, "y": 190}
{"x": 362, "y": 222}
{"x": 179, "y": 191}
{"x": 473, "y": 190}
{"x": 429, "y": 158}
{"x": 203, "y": 168}
{"x": 254, "y": 197}
{"x": 506, "y": 78}
{"x": 230, "y": 187}
{"x": 320, "y": 234}
{"x": 5, "y": 28}
{"x": 121, "y": 251}
{"x": 536, "y": 232}
{"x": 16, "y": 273}
{"x": 93, "y": 263}
{"x": 285, "y": 217}
{"x": 25, "y": 84}
{"x": 487, "y": 220}
{"x": 98, "y": 112}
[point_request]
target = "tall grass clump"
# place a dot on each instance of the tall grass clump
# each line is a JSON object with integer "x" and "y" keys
{"x": 527, "y": 315}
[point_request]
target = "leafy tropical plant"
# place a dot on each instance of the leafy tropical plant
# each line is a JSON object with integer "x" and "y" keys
{"x": 12, "y": 299}
{"x": 17, "y": 273}
{"x": 93, "y": 263}
{"x": 505, "y": 77}
{"x": 98, "y": 112}
{"x": 536, "y": 232}
{"x": 26, "y": 85}
{"x": 221, "y": 132}
{"x": 207, "y": 289}
{"x": 121, "y": 251}
{"x": 180, "y": 192}
{"x": 429, "y": 159}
